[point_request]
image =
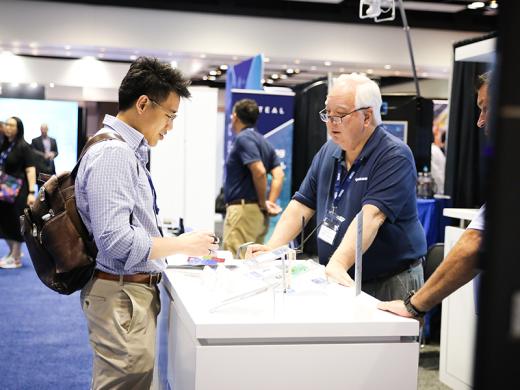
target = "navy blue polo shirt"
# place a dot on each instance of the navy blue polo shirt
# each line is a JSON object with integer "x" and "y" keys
{"x": 249, "y": 146}
{"x": 385, "y": 178}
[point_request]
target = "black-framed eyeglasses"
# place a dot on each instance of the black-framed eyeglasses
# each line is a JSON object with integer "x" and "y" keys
{"x": 171, "y": 116}
{"x": 336, "y": 119}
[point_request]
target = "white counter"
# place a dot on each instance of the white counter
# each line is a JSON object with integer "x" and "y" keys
{"x": 321, "y": 338}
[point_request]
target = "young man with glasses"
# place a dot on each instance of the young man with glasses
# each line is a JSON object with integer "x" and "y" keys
{"x": 362, "y": 167}
{"x": 116, "y": 200}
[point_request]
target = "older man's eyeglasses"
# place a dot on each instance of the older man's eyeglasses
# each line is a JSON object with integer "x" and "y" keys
{"x": 336, "y": 119}
{"x": 171, "y": 116}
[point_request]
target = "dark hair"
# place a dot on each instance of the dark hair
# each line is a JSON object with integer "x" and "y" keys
{"x": 19, "y": 130}
{"x": 483, "y": 79}
{"x": 247, "y": 111}
{"x": 147, "y": 76}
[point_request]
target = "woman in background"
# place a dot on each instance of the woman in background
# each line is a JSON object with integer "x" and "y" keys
{"x": 16, "y": 159}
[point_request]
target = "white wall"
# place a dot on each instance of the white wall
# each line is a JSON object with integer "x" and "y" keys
{"x": 183, "y": 164}
{"x": 193, "y": 33}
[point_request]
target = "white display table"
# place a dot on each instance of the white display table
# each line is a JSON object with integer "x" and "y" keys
{"x": 322, "y": 338}
{"x": 459, "y": 319}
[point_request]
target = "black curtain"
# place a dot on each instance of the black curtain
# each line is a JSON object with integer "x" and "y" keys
{"x": 310, "y": 133}
{"x": 464, "y": 162}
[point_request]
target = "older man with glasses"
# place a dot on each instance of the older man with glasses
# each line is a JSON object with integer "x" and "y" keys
{"x": 362, "y": 167}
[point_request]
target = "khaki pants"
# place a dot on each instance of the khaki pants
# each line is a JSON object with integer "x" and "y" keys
{"x": 243, "y": 223}
{"x": 122, "y": 319}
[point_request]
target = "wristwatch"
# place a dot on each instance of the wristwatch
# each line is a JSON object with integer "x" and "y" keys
{"x": 411, "y": 308}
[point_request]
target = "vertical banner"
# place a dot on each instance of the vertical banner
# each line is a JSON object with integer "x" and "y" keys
{"x": 276, "y": 123}
{"x": 245, "y": 75}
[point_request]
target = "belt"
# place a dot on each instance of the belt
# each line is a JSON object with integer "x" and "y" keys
{"x": 240, "y": 201}
{"x": 150, "y": 279}
{"x": 406, "y": 267}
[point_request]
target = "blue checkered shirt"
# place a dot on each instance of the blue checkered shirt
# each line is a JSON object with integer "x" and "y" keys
{"x": 115, "y": 201}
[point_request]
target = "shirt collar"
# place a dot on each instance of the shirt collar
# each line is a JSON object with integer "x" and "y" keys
{"x": 132, "y": 137}
{"x": 367, "y": 150}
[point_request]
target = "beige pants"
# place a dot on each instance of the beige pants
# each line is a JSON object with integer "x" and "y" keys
{"x": 243, "y": 223}
{"x": 122, "y": 321}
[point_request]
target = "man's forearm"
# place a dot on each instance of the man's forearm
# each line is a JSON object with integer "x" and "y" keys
{"x": 458, "y": 268}
{"x": 346, "y": 252}
{"x": 276, "y": 184}
{"x": 290, "y": 224}
{"x": 260, "y": 183}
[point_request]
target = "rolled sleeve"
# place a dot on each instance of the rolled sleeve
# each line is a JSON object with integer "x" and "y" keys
{"x": 111, "y": 197}
{"x": 390, "y": 185}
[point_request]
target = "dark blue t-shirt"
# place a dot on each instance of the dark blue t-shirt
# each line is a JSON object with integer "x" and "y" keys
{"x": 386, "y": 178}
{"x": 249, "y": 146}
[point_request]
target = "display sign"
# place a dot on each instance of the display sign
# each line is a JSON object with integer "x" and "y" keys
{"x": 398, "y": 129}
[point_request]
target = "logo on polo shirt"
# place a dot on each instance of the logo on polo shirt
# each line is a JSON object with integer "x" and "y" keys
{"x": 361, "y": 179}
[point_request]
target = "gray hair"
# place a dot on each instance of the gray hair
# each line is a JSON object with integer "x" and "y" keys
{"x": 367, "y": 93}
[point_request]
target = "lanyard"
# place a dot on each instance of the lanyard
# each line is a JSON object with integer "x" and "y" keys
{"x": 341, "y": 185}
{"x": 5, "y": 154}
{"x": 155, "y": 207}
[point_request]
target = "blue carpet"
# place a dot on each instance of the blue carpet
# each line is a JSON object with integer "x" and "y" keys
{"x": 43, "y": 335}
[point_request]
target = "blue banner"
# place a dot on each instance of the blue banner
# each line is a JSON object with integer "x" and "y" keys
{"x": 244, "y": 75}
{"x": 276, "y": 123}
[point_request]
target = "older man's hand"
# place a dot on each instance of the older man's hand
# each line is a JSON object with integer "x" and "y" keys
{"x": 336, "y": 272}
{"x": 255, "y": 250}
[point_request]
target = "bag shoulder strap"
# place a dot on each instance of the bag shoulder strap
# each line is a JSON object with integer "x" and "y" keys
{"x": 109, "y": 135}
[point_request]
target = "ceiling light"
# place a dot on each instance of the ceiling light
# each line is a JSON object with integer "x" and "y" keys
{"x": 133, "y": 57}
{"x": 270, "y": 81}
{"x": 204, "y": 77}
{"x": 313, "y": 67}
{"x": 296, "y": 62}
{"x": 213, "y": 73}
{"x": 493, "y": 4}
{"x": 66, "y": 47}
{"x": 388, "y": 67}
{"x": 283, "y": 76}
{"x": 296, "y": 70}
{"x": 234, "y": 58}
{"x": 424, "y": 74}
{"x": 262, "y": 81}
{"x": 274, "y": 76}
{"x": 51, "y": 85}
{"x": 212, "y": 78}
{"x": 33, "y": 85}
{"x": 173, "y": 64}
{"x": 327, "y": 63}
{"x": 476, "y": 5}
{"x": 267, "y": 59}
{"x": 370, "y": 71}
{"x": 203, "y": 55}
{"x": 223, "y": 67}
{"x": 289, "y": 71}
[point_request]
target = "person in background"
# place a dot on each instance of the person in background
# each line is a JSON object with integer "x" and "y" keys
{"x": 117, "y": 202}
{"x": 362, "y": 167}
{"x": 248, "y": 206}
{"x": 438, "y": 158}
{"x": 2, "y": 124}
{"x": 46, "y": 149}
{"x": 461, "y": 263}
{"x": 16, "y": 159}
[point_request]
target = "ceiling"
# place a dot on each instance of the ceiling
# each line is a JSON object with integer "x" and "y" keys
{"x": 443, "y": 15}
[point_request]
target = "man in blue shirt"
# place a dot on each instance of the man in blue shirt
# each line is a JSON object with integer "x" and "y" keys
{"x": 245, "y": 188}
{"x": 117, "y": 202}
{"x": 362, "y": 167}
